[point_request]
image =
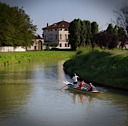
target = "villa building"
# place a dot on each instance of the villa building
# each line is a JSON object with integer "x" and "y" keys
{"x": 56, "y": 35}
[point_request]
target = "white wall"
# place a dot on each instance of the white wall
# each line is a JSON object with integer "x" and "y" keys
{"x": 12, "y": 49}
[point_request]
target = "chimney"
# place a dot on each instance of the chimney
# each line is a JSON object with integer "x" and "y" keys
{"x": 47, "y": 24}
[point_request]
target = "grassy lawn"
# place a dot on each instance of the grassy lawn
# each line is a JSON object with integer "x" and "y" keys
{"x": 24, "y": 57}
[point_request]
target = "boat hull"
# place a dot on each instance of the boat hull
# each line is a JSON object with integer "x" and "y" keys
{"x": 81, "y": 91}
{"x": 68, "y": 84}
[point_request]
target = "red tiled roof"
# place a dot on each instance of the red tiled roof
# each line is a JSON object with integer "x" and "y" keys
{"x": 38, "y": 37}
{"x": 61, "y": 24}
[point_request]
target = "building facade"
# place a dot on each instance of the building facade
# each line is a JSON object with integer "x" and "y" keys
{"x": 56, "y": 35}
{"x": 38, "y": 44}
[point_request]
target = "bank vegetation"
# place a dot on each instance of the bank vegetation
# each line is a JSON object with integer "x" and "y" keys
{"x": 26, "y": 57}
{"x": 105, "y": 67}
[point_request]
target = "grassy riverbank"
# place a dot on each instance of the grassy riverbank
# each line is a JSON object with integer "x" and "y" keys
{"x": 25, "y": 57}
{"x": 104, "y": 67}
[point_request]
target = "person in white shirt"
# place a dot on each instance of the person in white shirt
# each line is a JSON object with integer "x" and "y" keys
{"x": 75, "y": 80}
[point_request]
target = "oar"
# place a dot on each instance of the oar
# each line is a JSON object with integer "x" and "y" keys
{"x": 63, "y": 87}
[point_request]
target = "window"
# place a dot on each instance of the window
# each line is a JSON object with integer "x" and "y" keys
{"x": 60, "y": 36}
{"x": 45, "y": 37}
{"x": 56, "y": 36}
{"x": 60, "y": 45}
{"x": 65, "y": 45}
{"x": 66, "y": 36}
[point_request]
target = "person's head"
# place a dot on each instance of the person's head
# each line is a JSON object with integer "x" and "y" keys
{"x": 90, "y": 84}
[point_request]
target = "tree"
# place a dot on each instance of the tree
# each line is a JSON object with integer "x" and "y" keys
{"x": 111, "y": 36}
{"x": 74, "y": 33}
{"x": 88, "y": 33}
{"x": 110, "y": 29}
{"x": 83, "y": 33}
{"x": 16, "y": 27}
{"x": 94, "y": 30}
{"x": 108, "y": 38}
{"x": 122, "y": 37}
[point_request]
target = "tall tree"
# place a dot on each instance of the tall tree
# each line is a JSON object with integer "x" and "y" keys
{"x": 109, "y": 29}
{"x": 94, "y": 31}
{"x": 122, "y": 37}
{"x": 83, "y": 33}
{"x": 88, "y": 33}
{"x": 16, "y": 27}
{"x": 112, "y": 36}
{"x": 74, "y": 33}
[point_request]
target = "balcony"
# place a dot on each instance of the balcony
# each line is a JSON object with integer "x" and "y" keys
{"x": 51, "y": 43}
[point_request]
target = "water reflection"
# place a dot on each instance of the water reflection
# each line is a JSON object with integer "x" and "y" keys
{"x": 82, "y": 98}
{"x": 117, "y": 97}
{"x": 103, "y": 109}
{"x": 14, "y": 88}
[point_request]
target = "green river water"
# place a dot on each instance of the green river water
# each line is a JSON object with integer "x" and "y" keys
{"x": 30, "y": 95}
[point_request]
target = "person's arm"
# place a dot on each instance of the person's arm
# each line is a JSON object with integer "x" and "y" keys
{"x": 94, "y": 88}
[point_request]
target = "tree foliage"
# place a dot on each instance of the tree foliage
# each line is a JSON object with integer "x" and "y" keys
{"x": 122, "y": 37}
{"x": 94, "y": 31}
{"x": 88, "y": 33}
{"x": 81, "y": 33}
{"x": 74, "y": 36}
{"x": 108, "y": 38}
{"x": 16, "y": 27}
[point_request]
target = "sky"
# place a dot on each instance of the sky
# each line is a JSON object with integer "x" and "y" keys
{"x": 42, "y": 12}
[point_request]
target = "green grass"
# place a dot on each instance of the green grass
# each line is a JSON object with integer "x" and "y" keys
{"x": 99, "y": 66}
{"x": 25, "y": 57}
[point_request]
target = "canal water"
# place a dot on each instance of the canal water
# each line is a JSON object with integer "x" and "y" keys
{"x": 30, "y": 95}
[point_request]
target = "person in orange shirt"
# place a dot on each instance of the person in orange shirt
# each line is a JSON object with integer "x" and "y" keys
{"x": 82, "y": 85}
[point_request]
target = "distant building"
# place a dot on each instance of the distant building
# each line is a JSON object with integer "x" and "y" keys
{"x": 38, "y": 44}
{"x": 56, "y": 35}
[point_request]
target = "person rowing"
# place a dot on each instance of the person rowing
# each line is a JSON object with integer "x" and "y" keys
{"x": 75, "y": 80}
{"x": 91, "y": 87}
{"x": 82, "y": 86}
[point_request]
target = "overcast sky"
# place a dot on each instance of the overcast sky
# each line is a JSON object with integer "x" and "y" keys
{"x": 42, "y": 12}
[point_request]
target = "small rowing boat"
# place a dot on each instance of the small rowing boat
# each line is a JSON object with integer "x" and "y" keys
{"x": 70, "y": 87}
